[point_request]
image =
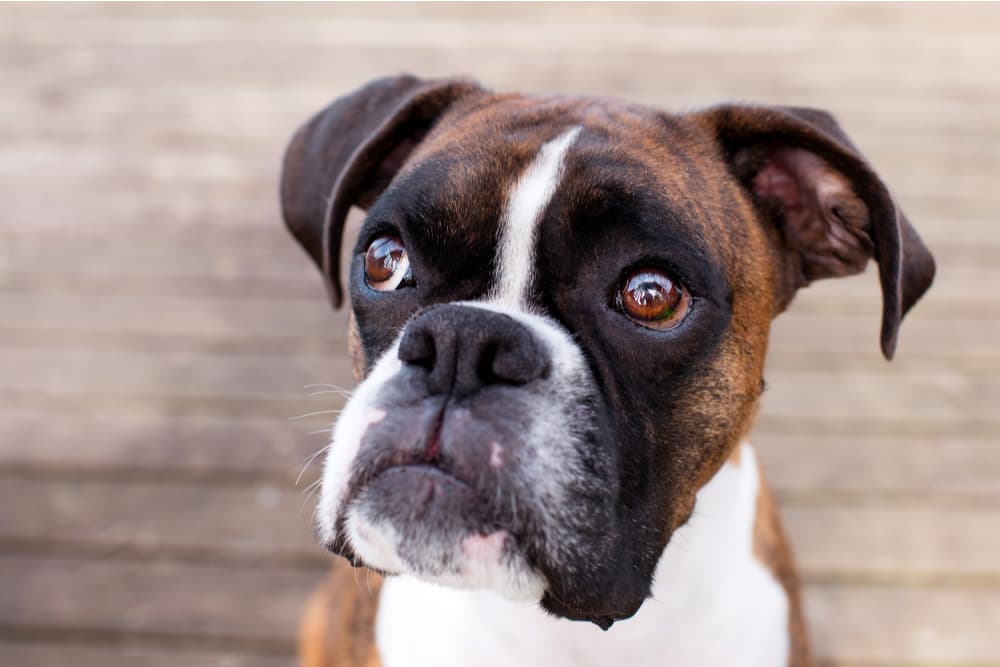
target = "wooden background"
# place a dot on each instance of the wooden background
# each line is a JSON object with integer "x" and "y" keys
{"x": 157, "y": 325}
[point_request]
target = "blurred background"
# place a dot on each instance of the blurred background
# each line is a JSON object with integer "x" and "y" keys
{"x": 158, "y": 325}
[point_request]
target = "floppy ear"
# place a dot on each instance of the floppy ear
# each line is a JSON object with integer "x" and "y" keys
{"x": 348, "y": 153}
{"x": 831, "y": 210}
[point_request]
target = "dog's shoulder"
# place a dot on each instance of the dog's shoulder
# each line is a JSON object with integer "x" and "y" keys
{"x": 338, "y": 627}
{"x": 771, "y": 547}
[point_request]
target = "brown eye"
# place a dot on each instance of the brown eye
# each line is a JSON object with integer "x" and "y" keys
{"x": 387, "y": 266}
{"x": 652, "y": 299}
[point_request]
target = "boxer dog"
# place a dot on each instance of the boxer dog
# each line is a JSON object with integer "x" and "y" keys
{"x": 560, "y": 312}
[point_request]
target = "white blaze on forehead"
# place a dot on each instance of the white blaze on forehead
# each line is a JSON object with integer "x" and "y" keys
{"x": 528, "y": 201}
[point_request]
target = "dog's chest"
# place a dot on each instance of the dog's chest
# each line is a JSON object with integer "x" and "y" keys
{"x": 713, "y": 603}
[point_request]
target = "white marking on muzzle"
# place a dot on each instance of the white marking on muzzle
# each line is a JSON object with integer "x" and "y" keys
{"x": 528, "y": 201}
{"x": 358, "y": 415}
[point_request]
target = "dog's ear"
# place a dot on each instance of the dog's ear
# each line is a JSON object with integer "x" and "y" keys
{"x": 831, "y": 210}
{"x": 349, "y": 152}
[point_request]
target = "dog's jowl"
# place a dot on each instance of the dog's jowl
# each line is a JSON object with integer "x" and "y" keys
{"x": 561, "y": 310}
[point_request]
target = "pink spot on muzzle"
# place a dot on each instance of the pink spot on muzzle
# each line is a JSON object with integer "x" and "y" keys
{"x": 484, "y": 548}
{"x": 496, "y": 455}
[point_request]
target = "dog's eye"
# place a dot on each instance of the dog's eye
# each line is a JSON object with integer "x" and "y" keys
{"x": 387, "y": 266}
{"x": 651, "y": 298}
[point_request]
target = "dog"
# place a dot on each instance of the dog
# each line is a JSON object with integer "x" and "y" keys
{"x": 560, "y": 310}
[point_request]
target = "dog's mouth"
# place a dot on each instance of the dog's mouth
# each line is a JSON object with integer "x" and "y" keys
{"x": 433, "y": 488}
{"x": 416, "y": 473}
{"x": 421, "y": 494}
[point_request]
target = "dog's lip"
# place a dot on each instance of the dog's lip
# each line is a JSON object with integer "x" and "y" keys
{"x": 426, "y": 454}
{"x": 423, "y": 467}
{"x": 402, "y": 461}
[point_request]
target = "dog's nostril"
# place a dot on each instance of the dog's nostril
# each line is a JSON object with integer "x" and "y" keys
{"x": 463, "y": 350}
{"x": 518, "y": 365}
{"x": 486, "y": 367}
{"x": 417, "y": 348}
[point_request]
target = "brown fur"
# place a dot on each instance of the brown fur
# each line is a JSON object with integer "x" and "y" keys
{"x": 338, "y": 627}
{"x": 772, "y": 549}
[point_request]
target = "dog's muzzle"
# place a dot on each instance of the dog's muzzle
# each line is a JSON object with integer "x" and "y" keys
{"x": 474, "y": 455}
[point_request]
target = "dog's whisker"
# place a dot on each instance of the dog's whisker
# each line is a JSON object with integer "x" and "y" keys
{"x": 308, "y": 497}
{"x": 338, "y": 392}
{"x": 312, "y": 486}
{"x": 328, "y": 389}
{"x": 310, "y": 491}
{"x": 314, "y": 414}
{"x": 308, "y": 463}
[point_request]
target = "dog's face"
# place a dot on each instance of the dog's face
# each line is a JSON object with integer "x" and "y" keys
{"x": 563, "y": 308}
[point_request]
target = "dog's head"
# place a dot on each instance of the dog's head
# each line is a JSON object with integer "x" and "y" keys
{"x": 563, "y": 308}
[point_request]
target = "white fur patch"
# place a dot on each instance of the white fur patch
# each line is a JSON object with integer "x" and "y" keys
{"x": 528, "y": 201}
{"x": 713, "y": 604}
{"x": 357, "y": 416}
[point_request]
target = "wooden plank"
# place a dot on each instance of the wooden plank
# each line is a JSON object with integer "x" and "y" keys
{"x": 900, "y": 625}
{"x": 108, "y": 282}
{"x": 965, "y": 18}
{"x": 169, "y": 315}
{"x": 844, "y": 331}
{"x": 858, "y": 394}
{"x": 176, "y": 373}
{"x": 666, "y": 37}
{"x": 258, "y": 523}
{"x": 911, "y": 466}
{"x": 256, "y": 607}
{"x": 127, "y": 654}
{"x": 194, "y": 447}
{"x": 900, "y": 542}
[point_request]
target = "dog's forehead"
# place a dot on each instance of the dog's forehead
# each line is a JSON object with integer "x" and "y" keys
{"x": 458, "y": 182}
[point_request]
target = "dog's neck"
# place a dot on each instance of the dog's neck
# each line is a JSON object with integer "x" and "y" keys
{"x": 713, "y": 603}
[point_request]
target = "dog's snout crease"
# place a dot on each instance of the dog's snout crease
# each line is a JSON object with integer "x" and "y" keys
{"x": 463, "y": 350}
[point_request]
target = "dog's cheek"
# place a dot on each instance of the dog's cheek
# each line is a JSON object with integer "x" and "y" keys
{"x": 716, "y": 410}
{"x": 376, "y": 544}
{"x": 357, "y": 417}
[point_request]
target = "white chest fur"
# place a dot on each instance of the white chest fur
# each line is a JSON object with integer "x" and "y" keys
{"x": 713, "y": 603}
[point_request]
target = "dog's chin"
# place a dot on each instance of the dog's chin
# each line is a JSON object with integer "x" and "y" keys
{"x": 422, "y": 521}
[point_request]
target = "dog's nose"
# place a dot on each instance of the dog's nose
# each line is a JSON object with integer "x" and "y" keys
{"x": 464, "y": 349}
